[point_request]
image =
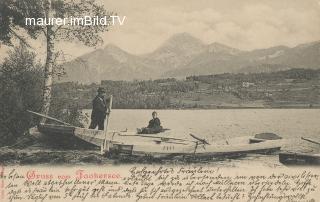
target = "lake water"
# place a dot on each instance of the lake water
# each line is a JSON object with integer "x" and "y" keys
{"x": 214, "y": 125}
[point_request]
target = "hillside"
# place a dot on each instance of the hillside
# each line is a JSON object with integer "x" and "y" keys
{"x": 184, "y": 55}
{"x": 262, "y": 60}
{"x": 176, "y": 52}
{"x": 108, "y": 63}
{"x": 295, "y": 88}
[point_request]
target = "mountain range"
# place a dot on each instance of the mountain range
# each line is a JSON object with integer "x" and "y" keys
{"x": 184, "y": 55}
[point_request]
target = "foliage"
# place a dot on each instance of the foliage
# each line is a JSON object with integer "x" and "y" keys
{"x": 14, "y": 13}
{"x": 126, "y": 94}
{"x": 300, "y": 74}
{"x": 13, "y": 23}
{"x": 295, "y": 86}
{"x": 67, "y": 112}
{"x": 20, "y": 84}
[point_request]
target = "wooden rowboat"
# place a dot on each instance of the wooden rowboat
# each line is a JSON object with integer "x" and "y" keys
{"x": 298, "y": 158}
{"x": 168, "y": 149}
{"x": 157, "y": 145}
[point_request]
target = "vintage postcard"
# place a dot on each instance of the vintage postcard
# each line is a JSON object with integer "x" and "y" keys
{"x": 160, "y": 100}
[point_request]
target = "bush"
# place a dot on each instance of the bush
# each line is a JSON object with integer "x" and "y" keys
{"x": 20, "y": 84}
{"x": 69, "y": 113}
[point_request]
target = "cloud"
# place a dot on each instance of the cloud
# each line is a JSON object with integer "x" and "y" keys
{"x": 249, "y": 25}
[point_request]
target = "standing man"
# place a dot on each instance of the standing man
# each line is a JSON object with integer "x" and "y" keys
{"x": 100, "y": 110}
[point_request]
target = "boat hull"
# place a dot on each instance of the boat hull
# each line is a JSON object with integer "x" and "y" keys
{"x": 164, "y": 149}
{"x": 297, "y": 158}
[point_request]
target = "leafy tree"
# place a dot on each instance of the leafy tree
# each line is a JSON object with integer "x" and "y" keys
{"x": 14, "y": 14}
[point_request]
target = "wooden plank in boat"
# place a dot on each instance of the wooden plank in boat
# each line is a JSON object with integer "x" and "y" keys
{"x": 92, "y": 136}
{"x": 256, "y": 140}
{"x": 53, "y": 129}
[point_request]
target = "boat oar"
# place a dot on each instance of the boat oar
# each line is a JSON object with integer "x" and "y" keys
{"x": 203, "y": 141}
{"x": 312, "y": 141}
{"x": 106, "y": 130}
{"x": 48, "y": 117}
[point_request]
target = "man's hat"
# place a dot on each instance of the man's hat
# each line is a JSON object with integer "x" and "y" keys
{"x": 101, "y": 90}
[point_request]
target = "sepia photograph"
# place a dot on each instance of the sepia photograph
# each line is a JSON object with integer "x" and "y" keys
{"x": 149, "y": 100}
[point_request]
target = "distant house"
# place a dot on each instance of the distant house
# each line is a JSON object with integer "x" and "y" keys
{"x": 268, "y": 94}
{"x": 246, "y": 84}
{"x": 167, "y": 84}
{"x": 228, "y": 88}
{"x": 289, "y": 80}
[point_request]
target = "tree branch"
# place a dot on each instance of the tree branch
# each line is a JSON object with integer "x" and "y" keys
{"x": 44, "y": 32}
{"x": 21, "y": 39}
{"x": 57, "y": 29}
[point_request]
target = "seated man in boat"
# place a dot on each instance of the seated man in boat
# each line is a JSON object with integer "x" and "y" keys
{"x": 100, "y": 110}
{"x": 153, "y": 127}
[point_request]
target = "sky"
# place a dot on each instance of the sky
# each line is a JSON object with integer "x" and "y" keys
{"x": 242, "y": 24}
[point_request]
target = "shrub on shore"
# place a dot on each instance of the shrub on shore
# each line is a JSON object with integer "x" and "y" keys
{"x": 20, "y": 84}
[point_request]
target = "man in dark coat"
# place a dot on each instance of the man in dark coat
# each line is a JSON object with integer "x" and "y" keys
{"x": 99, "y": 110}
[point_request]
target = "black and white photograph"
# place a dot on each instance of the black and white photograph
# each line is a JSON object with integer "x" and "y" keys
{"x": 187, "y": 87}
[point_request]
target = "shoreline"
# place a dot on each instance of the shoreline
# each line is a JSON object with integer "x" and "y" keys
{"x": 214, "y": 108}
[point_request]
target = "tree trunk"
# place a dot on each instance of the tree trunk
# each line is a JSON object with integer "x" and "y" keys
{"x": 48, "y": 69}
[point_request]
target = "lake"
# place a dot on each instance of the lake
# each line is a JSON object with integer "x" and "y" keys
{"x": 214, "y": 125}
